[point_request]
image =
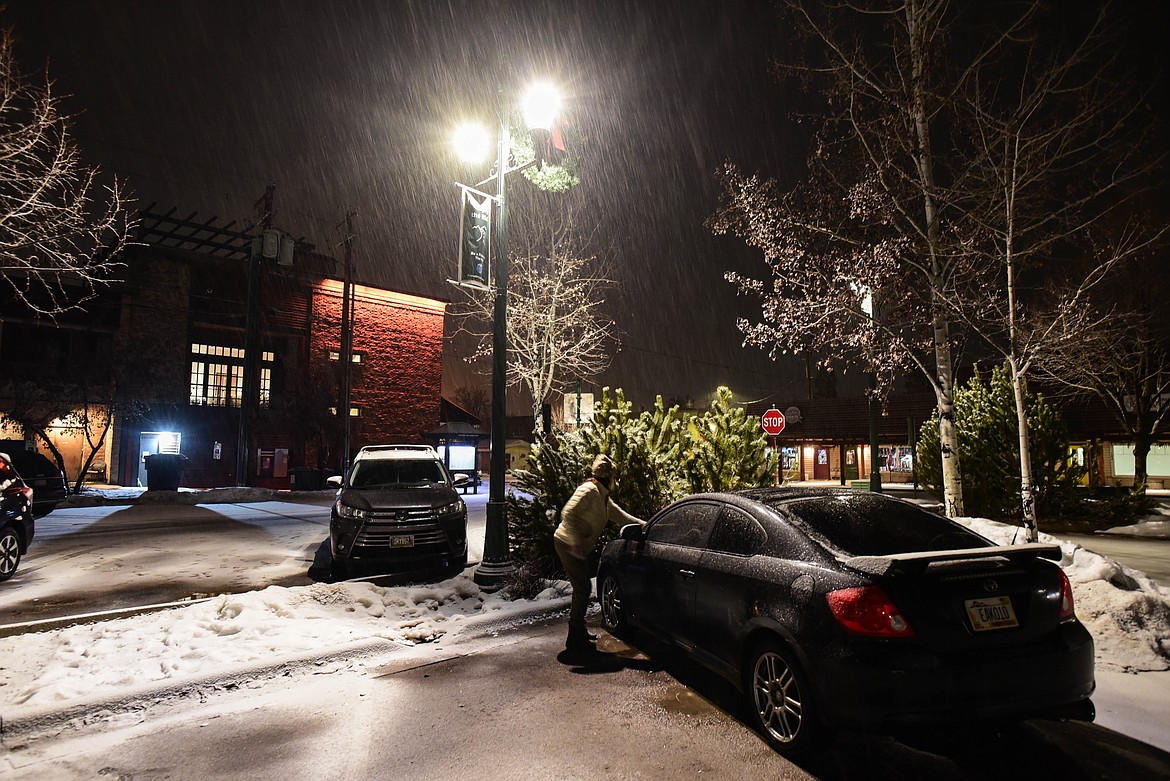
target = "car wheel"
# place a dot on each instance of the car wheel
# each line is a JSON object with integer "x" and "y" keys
{"x": 339, "y": 569}
{"x": 9, "y": 552}
{"x": 613, "y": 612}
{"x": 779, "y": 700}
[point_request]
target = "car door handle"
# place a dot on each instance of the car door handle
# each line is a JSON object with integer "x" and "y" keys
{"x": 686, "y": 573}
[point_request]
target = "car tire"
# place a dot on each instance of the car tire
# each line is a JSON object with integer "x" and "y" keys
{"x": 613, "y": 611}
{"x": 9, "y": 552}
{"x": 779, "y": 700}
{"x": 340, "y": 569}
{"x": 455, "y": 566}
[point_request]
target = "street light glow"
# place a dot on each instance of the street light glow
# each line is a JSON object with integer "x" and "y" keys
{"x": 472, "y": 143}
{"x": 541, "y": 106}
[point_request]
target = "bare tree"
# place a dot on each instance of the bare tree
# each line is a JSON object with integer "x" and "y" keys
{"x": 1055, "y": 147}
{"x": 557, "y": 329}
{"x": 869, "y": 220}
{"x": 1044, "y": 143}
{"x": 61, "y": 227}
{"x": 1124, "y": 363}
{"x": 477, "y": 400}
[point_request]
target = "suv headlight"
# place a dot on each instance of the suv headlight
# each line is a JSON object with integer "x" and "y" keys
{"x": 454, "y": 507}
{"x": 350, "y": 513}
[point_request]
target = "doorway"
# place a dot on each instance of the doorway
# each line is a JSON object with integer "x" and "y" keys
{"x": 151, "y": 443}
{"x": 821, "y": 464}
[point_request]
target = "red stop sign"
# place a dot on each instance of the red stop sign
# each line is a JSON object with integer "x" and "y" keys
{"x": 773, "y": 422}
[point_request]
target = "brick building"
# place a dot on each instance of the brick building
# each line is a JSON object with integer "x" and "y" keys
{"x": 172, "y": 351}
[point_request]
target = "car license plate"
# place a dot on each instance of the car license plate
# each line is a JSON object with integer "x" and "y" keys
{"x": 402, "y": 541}
{"x": 991, "y": 613}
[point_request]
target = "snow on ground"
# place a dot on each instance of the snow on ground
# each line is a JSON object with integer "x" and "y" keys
{"x": 1127, "y": 613}
{"x": 233, "y": 633}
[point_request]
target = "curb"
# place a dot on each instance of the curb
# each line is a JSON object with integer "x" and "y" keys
{"x": 62, "y": 622}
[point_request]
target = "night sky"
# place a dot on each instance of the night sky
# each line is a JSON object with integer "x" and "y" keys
{"x": 351, "y": 105}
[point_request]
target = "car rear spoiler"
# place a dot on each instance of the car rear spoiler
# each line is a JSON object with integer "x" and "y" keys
{"x": 916, "y": 563}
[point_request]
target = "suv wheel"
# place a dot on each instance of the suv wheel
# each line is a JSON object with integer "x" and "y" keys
{"x": 9, "y": 552}
{"x": 340, "y": 569}
{"x": 455, "y": 566}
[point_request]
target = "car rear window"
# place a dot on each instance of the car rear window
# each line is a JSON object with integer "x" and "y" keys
{"x": 31, "y": 464}
{"x": 870, "y": 525}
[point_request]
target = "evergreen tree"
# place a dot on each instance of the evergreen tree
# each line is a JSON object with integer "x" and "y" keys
{"x": 985, "y": 416}
{"x": 659, "y": 457}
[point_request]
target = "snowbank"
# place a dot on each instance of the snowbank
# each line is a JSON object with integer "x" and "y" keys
{"x": 234, "y": 633}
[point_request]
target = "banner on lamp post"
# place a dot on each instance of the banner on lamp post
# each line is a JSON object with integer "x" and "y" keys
{"x": 475, "y": 231}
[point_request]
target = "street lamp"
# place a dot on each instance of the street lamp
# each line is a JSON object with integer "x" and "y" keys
{"x": 875, "y": 470}
{"x": 540, "y": 107}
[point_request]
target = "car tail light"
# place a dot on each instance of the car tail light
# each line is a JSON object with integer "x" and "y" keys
{"x": 1067, "y": 611}
{"x": 18, "y": 488}
{"x": 868, "y": 611}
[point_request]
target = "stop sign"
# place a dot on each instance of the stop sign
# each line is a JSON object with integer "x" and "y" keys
{"x": 773, "y": 422}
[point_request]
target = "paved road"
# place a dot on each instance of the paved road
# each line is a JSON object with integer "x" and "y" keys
{"x": 1151, "y": 556}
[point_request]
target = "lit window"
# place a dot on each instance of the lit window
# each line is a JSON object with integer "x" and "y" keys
{"x": 335, "y": 355}
{"x": 217, "y": 376}
{"x": 354, "y": 412}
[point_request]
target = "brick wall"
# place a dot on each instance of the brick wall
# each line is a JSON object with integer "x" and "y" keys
{"x": 398, "y": 384}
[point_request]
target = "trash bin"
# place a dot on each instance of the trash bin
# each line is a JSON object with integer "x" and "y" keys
{"x": 304, "y": 478}
{"x": 164, "y": 470}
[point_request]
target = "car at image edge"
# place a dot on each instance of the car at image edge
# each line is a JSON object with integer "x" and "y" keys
{"x": 38, "y": 471}
{"x": 838, "y": 608}
{"x": 397, "y": 511}
{"x": 16, "y": 517}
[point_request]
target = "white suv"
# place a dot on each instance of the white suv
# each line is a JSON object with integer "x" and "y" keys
{"x": 397, "y": 510}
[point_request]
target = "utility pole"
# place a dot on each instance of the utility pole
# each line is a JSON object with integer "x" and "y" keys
{"x": 347, "y": 317}
{"x": 250, "y": 395}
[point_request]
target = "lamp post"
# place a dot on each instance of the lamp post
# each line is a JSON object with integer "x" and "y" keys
{"x": 540, "y": 107}
{"x": 875, "y": 470}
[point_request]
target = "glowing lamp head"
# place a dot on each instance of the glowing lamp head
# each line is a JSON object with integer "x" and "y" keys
{"x": 472, "y": 143}
{"x": 542, "y": 104}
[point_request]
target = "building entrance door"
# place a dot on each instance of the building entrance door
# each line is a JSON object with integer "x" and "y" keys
{"x": 821, "y": 464}
{"x": 152, "y": 442}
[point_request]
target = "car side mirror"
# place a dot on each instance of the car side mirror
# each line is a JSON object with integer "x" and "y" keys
{"x": 460, "y": 481}
{"x": 334, "y": 481}
{"x": 633, "y": 532}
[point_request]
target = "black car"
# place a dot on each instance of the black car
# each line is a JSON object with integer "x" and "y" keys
{"x": 838, "y": 608}
{"x": 39, "y": 473}
{"x": 16, "y": 518}
{"x": 397, "y": 511}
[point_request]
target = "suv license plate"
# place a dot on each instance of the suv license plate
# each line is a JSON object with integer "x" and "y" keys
{"x": 991, "y": 613}
{"x": 402, "y": 541}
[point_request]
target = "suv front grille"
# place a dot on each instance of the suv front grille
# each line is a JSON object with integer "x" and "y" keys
{"x": 415, "y": 515}
{"x": 378, "y": 535}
